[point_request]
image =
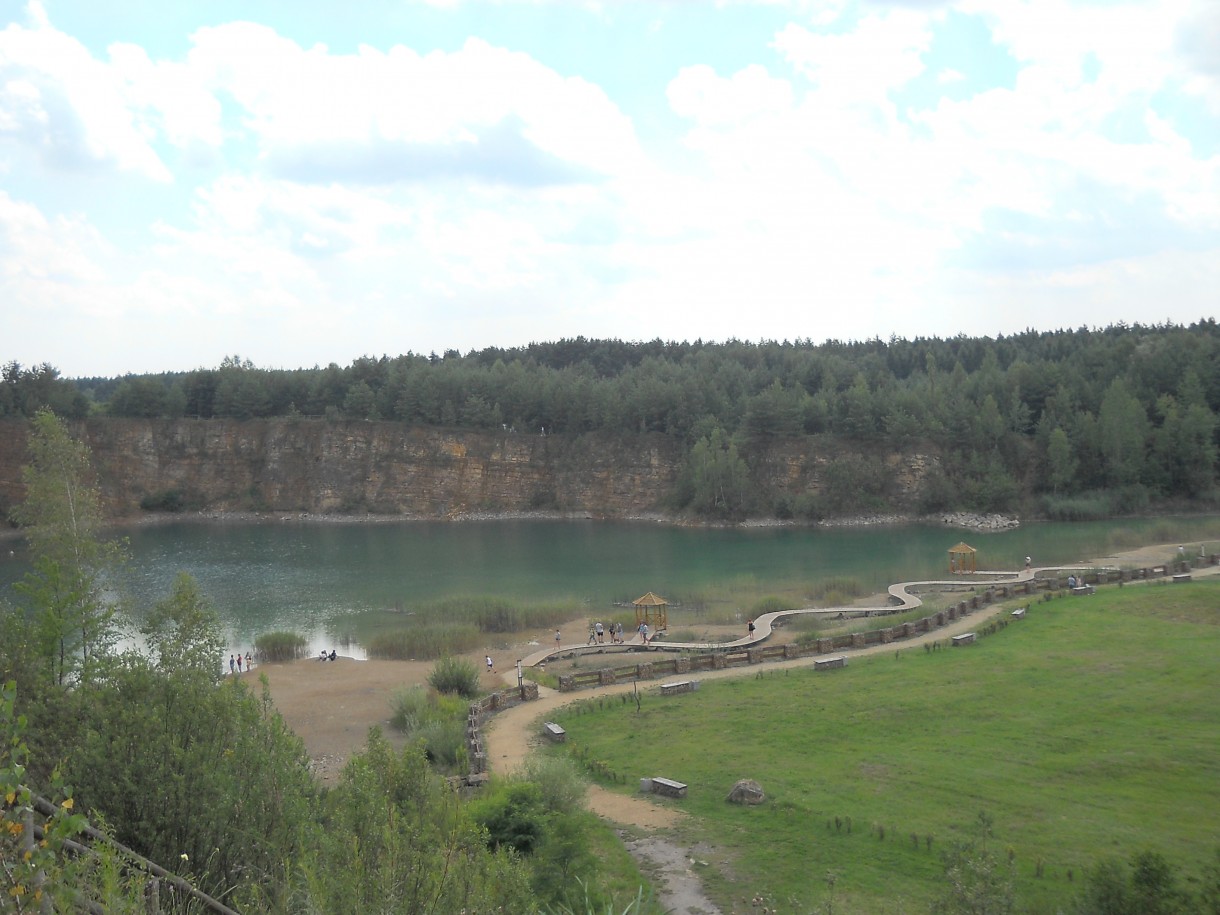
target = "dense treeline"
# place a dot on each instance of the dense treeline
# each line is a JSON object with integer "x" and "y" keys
{"x": 1086, "y": 421}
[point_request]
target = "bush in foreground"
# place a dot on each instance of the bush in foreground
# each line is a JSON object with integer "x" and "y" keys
{"x": 455, "y": 675}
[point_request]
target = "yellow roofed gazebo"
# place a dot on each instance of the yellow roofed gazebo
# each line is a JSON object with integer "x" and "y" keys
{"x": 652, "y": 610}
{"x": 962, "y": 558}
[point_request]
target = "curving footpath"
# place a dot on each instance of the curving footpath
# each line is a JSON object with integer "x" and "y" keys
{"x": 764, "y": 624}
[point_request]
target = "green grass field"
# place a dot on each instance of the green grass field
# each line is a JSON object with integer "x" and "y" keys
{"x": 1089, "y": 729}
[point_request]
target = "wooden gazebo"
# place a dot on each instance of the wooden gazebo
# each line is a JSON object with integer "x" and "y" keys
{"x": 962, "y": 558}
{"x": 652, "y": 610}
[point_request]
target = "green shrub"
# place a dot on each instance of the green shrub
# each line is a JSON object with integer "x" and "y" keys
{"x": 560, "y": 782}
{"x": 415, "y": 706}
{"x": 281, "y": 646}
{"x": 455, "y": 675}
{"x": 444, "y": 742}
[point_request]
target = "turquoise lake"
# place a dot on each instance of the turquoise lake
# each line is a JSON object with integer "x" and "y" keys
{"x": 314, "y": 577}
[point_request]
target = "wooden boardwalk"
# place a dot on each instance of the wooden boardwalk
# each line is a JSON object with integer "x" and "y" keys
{"x": 764, "y": 625}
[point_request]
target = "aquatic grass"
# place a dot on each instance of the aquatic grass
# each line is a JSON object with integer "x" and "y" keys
{"x": 1090, "y": 723}
{"x": 490, "y": 613}
{"x": 281, "y": 646}
{"x": 425, "y": 642}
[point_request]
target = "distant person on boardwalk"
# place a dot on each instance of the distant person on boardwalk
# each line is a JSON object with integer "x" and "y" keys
{"x": 557, "y": 638}
{"x": 601, "y": 632}
{"x": 644, "y": 632}
{"x": 618, "y": 630}
{"x": 1028, "y": 561}
{"x": 750, "y": 628}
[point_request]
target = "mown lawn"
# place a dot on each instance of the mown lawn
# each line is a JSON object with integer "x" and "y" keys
{"x": 1091, "y": 728}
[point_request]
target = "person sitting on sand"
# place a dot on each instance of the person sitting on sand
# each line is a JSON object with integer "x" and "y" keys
{"x": 332, "y": 654}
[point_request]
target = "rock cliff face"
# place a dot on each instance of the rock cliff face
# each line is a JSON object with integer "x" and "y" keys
{"x": 386, "y": 468}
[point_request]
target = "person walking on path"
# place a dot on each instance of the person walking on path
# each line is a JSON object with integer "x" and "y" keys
{"x": 491, "y": 665}
{"x": 601, "y": 632}
{"x": 750, "y": 628}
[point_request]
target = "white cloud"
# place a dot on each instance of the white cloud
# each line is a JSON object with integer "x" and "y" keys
{"x": 406, "y": 116}
{"x": 883, "y": 52}
{"x": 71, "y": 109}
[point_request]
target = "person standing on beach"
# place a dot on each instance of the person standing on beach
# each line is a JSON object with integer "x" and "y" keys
{"x": 232, "y": 663}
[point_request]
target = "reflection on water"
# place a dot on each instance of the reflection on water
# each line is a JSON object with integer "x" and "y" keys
{"x": 312, "y": 577}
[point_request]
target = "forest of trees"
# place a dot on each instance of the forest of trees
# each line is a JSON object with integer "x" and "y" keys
{"x": 1070, "y": 423}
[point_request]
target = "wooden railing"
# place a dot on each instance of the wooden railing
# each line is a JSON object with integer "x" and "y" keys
{"x": 35, "y": 833}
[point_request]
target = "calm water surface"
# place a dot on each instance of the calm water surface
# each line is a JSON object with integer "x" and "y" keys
{"x": 313, "y": 577}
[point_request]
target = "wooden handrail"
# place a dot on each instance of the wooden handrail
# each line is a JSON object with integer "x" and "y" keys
{"x": 47, "y": 809}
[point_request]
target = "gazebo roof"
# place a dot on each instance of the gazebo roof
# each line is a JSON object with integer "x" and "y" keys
{"x": 963, "y": 548}
{"x": 650, "y": 600}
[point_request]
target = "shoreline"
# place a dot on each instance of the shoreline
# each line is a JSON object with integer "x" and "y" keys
{"x": 976, "y": 521}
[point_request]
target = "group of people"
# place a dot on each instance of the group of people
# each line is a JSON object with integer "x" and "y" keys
{"x": 323, "y": 656}
{"x": 235, "y": 662}
{"x": 597, "y": 633}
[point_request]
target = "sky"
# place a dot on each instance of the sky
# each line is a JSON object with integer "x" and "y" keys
{"x": 301, "y": 182}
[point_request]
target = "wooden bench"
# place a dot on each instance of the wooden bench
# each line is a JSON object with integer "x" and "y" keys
{"x": 1019, "y": 613}
{"x": 668, "y": 787}
{"x": 554, "y": 732}
{"x": 964, "y": 639}
{"x": 830, "y": 663}
{"x": 1182, "y": 576}
{"x": 1084, "y": 589}
{"x": 679, "y": 686}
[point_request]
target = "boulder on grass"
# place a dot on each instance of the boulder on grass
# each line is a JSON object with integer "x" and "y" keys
{"x": 746, "y": 791}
